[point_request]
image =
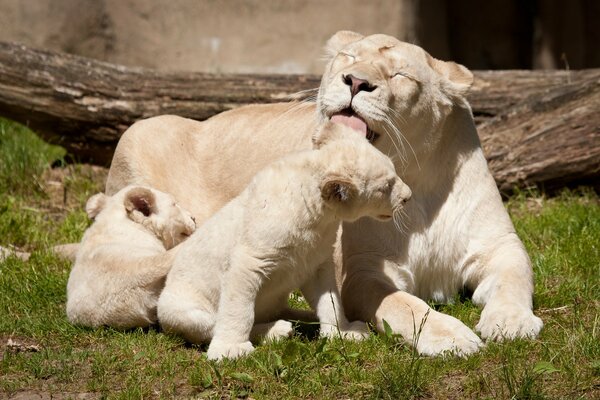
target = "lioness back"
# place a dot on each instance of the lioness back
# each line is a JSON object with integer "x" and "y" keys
{"x": 170, "y": 152}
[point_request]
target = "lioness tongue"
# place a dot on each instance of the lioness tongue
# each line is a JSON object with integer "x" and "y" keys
{"x": 353, "y": 121}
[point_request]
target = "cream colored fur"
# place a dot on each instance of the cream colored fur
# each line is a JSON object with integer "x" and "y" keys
{"x": 122, "y": 261}
{"x": 457, "y": 234}
{"x": 238, "y": 269}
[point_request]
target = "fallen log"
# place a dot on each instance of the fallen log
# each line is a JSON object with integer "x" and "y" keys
{"x": 537, "y": 127}
{"x": 550, "y": 138}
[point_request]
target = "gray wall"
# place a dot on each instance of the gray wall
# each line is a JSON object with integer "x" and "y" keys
{"x": 287, "y": 36}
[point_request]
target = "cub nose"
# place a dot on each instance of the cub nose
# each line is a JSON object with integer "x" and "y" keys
{"x": 357, "y": 84}
{"x": 406, "y": 193}
{"x": 402, "y": 191}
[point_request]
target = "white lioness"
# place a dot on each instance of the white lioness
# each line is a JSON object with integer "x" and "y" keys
{"x": 122, "y": 262}
{"x": 411, "y": 106}
{"x": 239, "y": 268}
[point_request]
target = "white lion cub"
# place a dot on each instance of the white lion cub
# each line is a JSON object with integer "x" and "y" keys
{"x": 231, "y": 280}
{"x": 122, "y": 261}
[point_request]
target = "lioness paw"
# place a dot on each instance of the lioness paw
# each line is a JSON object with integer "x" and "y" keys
{"x": 280, "y": 329}
{"x": 443, "y": 334}
{"x": 508, "y": 322}
{"x": 218, "y": 351}
{"x": 356, "y": 330}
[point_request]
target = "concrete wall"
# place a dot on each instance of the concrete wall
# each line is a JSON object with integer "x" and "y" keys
{"x": 207, "y": 35}
{"x": 286, "y": 36}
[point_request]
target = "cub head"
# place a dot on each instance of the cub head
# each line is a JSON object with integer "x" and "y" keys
{"x": 390, "y": 91}
{"x": 157, "y": 211}
{"x": 160, "y": 213}
{"x": 358, "y": 179}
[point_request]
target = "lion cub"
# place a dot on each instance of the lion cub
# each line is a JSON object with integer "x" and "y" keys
{"x": 231, "y": 280}
{"x": 122, "y": 261}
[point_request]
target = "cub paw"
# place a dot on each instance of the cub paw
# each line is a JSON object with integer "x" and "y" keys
{"x": 356, "y": 330}
{"x": 443, "y": 334}
{"x": 508, "y": 322}
{"x": 280, "y": 329}
{"x": 218, "y": 351}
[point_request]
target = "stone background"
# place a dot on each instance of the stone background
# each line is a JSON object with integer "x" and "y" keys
{"x": 286, "y": 36}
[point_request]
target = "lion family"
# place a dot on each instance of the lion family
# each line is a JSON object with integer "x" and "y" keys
{"x": 456, "y": 233}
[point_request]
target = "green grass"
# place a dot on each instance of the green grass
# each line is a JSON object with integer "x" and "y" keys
{"x": 562, "y": 235}
{"x": 24, "y": 157}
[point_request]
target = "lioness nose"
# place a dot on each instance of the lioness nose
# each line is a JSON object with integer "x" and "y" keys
{"x": 406, "y": 193}
{"x": 403, "y": 191}
{"x": 357, "y": 84}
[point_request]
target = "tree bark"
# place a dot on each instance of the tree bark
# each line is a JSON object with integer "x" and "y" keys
{"x": 550, "y": 138}
{"x": 537, "y": 127}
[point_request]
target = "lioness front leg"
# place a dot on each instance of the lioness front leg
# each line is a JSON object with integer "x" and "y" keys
{"x": 372, "y": 298}
{"x": 503, "y": 283}
{"x": 279, "y": 329}
{"x": 323, "y": 296}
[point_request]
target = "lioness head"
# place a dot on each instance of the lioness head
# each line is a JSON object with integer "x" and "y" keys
{"x": 358, "y": 179}
{"x": 156, "y": 211}
{"x": 388, "y": 90}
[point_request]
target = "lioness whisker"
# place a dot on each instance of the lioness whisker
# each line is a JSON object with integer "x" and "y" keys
{"x": 401, "y": 136}
{"x": 392, "y": 136}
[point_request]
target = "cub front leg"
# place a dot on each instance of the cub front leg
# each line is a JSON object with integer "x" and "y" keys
{"x": 503, "y": 283}
{"x": 322, "y": 294}
{"x": 235, "y": 316}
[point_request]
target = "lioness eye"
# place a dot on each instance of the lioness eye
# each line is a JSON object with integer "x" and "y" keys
{"x": 385, "y": 188}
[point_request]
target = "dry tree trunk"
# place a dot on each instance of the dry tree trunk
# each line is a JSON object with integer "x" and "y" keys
{"x": 537, "y": 127}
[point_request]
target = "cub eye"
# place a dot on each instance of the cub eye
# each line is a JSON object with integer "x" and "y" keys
{"x": 384, "y": 188}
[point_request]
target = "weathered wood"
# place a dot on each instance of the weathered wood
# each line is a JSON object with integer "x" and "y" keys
{"x": 85, "y": 105}
{"x": 550, "y": 138}
{"x": 537, "y": 127}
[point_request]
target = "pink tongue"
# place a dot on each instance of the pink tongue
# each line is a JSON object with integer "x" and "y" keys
{"x": 351, "y": 121}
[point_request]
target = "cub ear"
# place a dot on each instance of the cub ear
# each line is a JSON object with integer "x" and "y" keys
{"x": 95, "y": 205}
{"x": 337, "y": 189}
{"x": 339, "y": 40}
{"x": 140, "y": 199}
{"x": 329, "y": 132}
{"x": 459, "y": 76}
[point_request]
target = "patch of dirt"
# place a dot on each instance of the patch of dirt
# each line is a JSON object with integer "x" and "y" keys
{"x": 34, "y": 395}
{"x": 13, "y": 344}
{"x": 18, "y": 346}
{"x": 65, "y": 186}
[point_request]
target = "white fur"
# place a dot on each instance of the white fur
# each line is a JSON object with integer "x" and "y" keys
{"x": 457, "y": 232}
{"x": 122, "y": 261}
{"x": 238, "y": 269}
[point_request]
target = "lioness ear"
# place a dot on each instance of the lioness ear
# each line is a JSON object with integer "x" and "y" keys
{"x": 337, "y": 189}
{"x": 339, "y": 40}
{"x": 140, "y": 199}
{"x": 459, "y": 76}
{"x": 95, "y": 204}
{"x": 328, "y": 132}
